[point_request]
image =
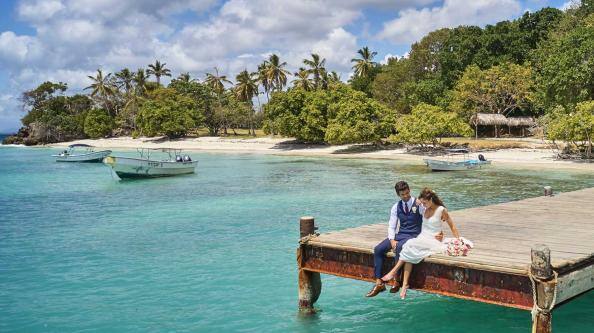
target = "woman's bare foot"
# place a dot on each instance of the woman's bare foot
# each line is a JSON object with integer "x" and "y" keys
{"x": 403, "y": 291}
{"x": 389, "y": 277}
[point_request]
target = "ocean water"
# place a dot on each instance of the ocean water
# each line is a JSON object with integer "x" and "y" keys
{"x": 215, "y": 251}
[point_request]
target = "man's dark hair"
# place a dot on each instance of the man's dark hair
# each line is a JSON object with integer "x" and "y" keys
{"x": 401, "y": 186}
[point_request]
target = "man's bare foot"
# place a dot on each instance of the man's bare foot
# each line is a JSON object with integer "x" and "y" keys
{"x": 403, "y": 292}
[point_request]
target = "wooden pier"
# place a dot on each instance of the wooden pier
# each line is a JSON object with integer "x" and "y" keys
{"x": 532, "y": 254}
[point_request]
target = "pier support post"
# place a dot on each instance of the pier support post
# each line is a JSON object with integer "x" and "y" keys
{"x": 310, "y": 283}
{"x": 544, "y": 284}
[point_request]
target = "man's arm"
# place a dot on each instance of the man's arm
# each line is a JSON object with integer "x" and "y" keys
{"x": 393, "y": 226}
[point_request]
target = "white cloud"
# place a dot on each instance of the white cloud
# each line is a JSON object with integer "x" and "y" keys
{"x": 39, "y": 10}
{"x": 18, "y": 49}
{"x": 412, "y": 24}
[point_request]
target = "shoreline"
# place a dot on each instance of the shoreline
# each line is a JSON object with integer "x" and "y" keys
{"x": 513, "y": 157}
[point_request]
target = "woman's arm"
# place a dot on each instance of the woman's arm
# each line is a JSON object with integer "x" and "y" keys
{"x": 445, "y": 216}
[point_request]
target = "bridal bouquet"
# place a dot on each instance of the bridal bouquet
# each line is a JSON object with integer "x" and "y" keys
{"x": 458, "y": 246}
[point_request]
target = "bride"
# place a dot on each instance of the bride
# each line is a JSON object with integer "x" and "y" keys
{"x": 416, "y": 249}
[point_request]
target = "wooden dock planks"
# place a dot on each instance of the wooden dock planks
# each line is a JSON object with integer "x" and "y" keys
{"x": 499, "y": 268}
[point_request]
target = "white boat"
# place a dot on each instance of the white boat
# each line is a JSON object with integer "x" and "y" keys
{"x": 452, "y": 164}
{"x": 81, "y": 153}
{"x": 146, "y": 167}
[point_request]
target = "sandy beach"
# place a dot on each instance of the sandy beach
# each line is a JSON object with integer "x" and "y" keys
{"x": 519, "y": 157}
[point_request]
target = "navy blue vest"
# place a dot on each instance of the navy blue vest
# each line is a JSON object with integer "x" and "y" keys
{"x": 410, "y": 223}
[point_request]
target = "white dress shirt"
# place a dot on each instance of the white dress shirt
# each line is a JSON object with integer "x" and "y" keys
{"x": 394, "y": 223}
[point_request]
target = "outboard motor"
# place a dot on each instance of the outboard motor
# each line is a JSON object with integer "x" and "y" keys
{"x": 187, "y": 158}
{"x": 482, "y": 158}
{"x": 178, "y": 158}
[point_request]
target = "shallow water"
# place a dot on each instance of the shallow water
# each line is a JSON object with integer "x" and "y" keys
{"x": 80, "y": 252}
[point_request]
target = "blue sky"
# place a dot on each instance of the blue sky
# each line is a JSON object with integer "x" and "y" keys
{"x": 66, "y": 40}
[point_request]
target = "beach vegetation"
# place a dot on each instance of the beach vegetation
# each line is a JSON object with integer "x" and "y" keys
{"x": 427, "y": 124}
{"x": 98, "y": 123}
{"x": 573, "y": 125}
{"x": 165, "y": 112}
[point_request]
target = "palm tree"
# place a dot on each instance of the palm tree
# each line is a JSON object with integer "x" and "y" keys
{"x": 245, "y": 90}
{"x": 185, "y": 77}
{"x": 217, "y": 83}
{"x": 140, "y": 79}
{"x": 263, "y": 77}
{"x": 102, "y": 88}
{"x": 124, "y": 79}
{"x": 333, "y": 77}
{"x": 158, "y": 70}
{"x": 364, "y": 65}
{"x": 317, "y": 69}
{"x": 302, "y": 79}
{"x": 275, "y": 72}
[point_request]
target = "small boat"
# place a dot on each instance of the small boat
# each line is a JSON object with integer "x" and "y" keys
{"x": 146, "y": 167}
{"x": 81, "y": 153}
{"x": 450, "y": 164}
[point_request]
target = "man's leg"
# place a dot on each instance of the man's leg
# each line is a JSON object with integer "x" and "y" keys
{"x": 379, "y": 255}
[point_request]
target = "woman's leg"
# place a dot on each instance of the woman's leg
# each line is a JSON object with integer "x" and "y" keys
{"x": 392, "y": 273}
{"x": 407, "y": 270}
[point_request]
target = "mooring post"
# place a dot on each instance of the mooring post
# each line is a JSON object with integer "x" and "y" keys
{"x": 310, "y": 284}
{"x": 544, "y": 284}
{"x": 548, "y": 191}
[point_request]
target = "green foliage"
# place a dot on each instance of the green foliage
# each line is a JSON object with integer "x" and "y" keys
{"x": 499, "y": 89}
{"x": 354, "y": 118}
{"x": 428, "y": 124}
{"x": 98, "y": 123}
{"x": 575, "y": 126}
{"x": 390, "y": 85}
{"x": 337, "y": 115}
{"x": 169, "y": 113}
{"x": 564, "y": 64}
{"x": 364, "y": 83}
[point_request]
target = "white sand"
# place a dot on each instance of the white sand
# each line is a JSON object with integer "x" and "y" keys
{"x": 523, "y": 158}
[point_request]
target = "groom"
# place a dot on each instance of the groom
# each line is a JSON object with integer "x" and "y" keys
{"x": 406, "y": 218}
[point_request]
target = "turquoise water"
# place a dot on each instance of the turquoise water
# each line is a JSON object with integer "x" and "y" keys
{"x": 215, "y": 251}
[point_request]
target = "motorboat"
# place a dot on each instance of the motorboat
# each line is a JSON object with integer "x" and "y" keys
{"x": 147, "y": 165}
{"x": 80, "y": 152}
{"x": 457, "y": 160}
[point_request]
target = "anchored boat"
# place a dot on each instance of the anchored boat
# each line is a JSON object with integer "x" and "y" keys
{"x": 81, "y": 153}
{"x": 454, "y": 164}
{"x": 146, "y": 167}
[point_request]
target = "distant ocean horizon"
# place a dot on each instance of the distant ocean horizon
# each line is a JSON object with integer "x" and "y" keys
{"x": 3, "y": 135}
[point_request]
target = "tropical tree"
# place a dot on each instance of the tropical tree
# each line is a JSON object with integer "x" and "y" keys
{"x": 263, "y": 78}
{"x": 317, "y": 70}
{"x": 245, "y": 90}
{"x": 302, "y": 80}
{"x": 166, "y": 112}
{"x": 102, "y": 88}
{"x": 217, "y": 82}
{"x": 499, "y": 89}
{"x": 574, "y": 126}
{"x": 98, "y": 123}
{"x": 185, "y": 77}
{"x": 158, "y": 69}
{"x": 124, "y": 79}
{"x": 140, "y": 82}
{"x": 276, "y": 74}
{"x": 428, "y": 124}
{"x": 365, "y": 63}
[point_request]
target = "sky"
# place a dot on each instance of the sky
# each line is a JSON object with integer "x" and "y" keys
{"x": 67, "y": 40}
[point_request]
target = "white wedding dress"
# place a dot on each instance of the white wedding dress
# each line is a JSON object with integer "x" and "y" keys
{"x": 424, "y": 245}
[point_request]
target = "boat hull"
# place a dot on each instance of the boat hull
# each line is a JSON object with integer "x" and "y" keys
{"x": 134, "y": 168}
{"x": 92, "y": 157}
{"x": 438, "y": 165}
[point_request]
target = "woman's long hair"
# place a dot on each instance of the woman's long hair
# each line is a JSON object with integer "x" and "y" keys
{"x": 429, "y": 194}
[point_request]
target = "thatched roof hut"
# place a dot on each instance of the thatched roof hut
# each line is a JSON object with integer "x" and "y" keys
{"x": 488, "y": 119}
{"x": 499, "y": 120}
{"x": 495, "y": 119}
